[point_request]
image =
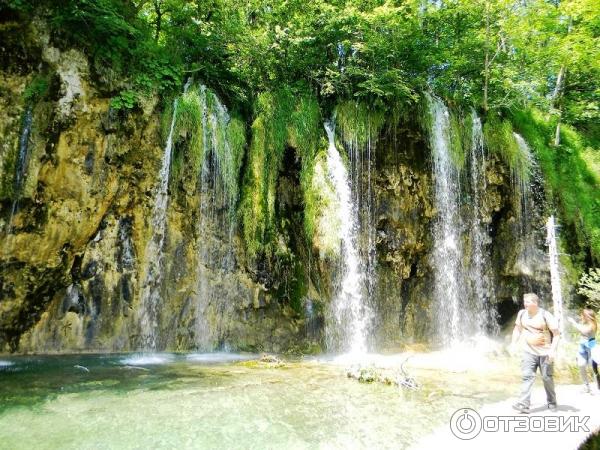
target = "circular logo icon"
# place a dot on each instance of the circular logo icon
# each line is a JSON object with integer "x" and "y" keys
{"x": 465, "y": 424}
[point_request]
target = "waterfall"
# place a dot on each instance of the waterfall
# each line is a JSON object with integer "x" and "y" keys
{"x": 217, "y": 211}
{"x": 522, "y": 185}
{"x": 521, "y": 181}
{"x": 350, "y": 314}
{"x": 21, "y": 164}
{"x": 311, "y": 326}
{"x": 360, "y": 148}
{"x": 557, "y": 301}
{"x": 125, "y": 255}
{"x": 150, "y": 295}
{"x": 361, "y": 162}
{"x": 482, "y": 286}
{"x": 454, "y": 321}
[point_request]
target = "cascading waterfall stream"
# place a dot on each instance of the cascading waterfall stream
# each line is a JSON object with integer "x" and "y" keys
{"x": 360, "y": 174}
{"x": 521, "y": 182}
{"x": 21, "y": 165}
{"x": 351, "y": 315}
{"x": 453, "y": 320}
{"x": 557, "y": 300}
{"x": 482, "y": 286}
{"x": 217, "y": 209}
{"x": 150, "y": 295}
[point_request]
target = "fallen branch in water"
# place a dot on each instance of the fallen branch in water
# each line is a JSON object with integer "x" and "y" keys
{"x": 393, "y": 377}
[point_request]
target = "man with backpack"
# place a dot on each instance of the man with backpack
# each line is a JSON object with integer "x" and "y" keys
{"x": 539, "y": 330}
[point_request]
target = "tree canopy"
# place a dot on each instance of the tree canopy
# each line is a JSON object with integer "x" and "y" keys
{"x": 494, "y": 54}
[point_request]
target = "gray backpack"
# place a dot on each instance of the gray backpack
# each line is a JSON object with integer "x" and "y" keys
{"x": 520, "y": 320}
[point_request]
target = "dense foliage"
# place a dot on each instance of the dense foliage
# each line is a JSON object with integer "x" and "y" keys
{"x": 491, "y": 53}
{"x": 589, "y": 286}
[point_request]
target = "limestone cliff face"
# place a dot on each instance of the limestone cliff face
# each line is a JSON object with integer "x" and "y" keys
{"x": 74, "y": 235}
{"x": 74, "y": 232}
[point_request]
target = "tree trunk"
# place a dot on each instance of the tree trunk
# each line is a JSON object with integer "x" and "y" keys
{"x": 486, "y": 66}
{"x": 556, "y": 101}
{"x": 558, "y": 88}
{"x": 558, "y": 92}
{"x": 159, "y": 14}
{"x": 557, "y": 133}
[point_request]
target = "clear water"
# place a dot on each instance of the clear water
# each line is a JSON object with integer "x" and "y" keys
{"x": 361, "y": 156}
{"x": 150, "y": 296}
{"x": 21, "y": 164}
{"x": 195, "y": 401}
{"x": 522, "y": 184}
{"x": 351, "y": 314}
{"x": 216, "y": 219}
{"x": 482, "y": 286}
{"x": 525, "y": 208}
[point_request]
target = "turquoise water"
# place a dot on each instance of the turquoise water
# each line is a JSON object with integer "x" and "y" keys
{"x": 219, "y": 401}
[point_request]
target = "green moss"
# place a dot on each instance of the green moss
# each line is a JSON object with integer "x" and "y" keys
{"x": 310, "y": 198}
{"x": 358, "y": 123}
{"x": 282, "y": 119}
{"x": 36, "y": 90}
{"x": 253, "y": 204}
{"x": 236, "y": 137}
{"x": 177, "y": 165}
{"x": 305, "y": 128}
{"x": 165, "y": 122}
{"x": 321, "y": 223}
{"x": 205, "y": 126}
{"x": 299, "y": 287}
{"x": 189, "y": 122}
{"x": 570, "y": 182}
{"x": 460, "y": 138}
{"x": 304, "y": 135}
{"x": 499, "y": 138}
{"x": 7, "y": 173}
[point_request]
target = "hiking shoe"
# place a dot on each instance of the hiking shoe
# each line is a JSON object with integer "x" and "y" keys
{"x": 586, "y": 389}
{"x": 552, "y": 407}
{"x": 521, "y": 408}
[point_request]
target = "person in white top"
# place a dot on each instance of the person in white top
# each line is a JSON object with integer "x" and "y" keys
{"x": 587, "y": 342}
{"x": 539, "y": 332}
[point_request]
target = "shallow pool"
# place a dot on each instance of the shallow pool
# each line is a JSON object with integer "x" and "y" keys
{"x": 221, "y": 401}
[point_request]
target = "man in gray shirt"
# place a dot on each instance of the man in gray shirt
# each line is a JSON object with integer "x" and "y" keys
{"x": 539, "y": 332}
